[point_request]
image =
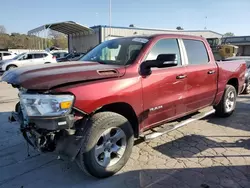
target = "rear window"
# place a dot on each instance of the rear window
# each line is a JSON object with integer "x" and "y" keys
{"x": 196, "y": 52}
{"x": 39, "y": 55}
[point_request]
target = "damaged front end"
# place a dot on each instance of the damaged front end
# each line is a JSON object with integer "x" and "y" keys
{"x": 49, "y": 123}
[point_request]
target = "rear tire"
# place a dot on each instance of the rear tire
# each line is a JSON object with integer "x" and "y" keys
{"x": 47, "y": 63}
{"x": 228, "y": 102}
{"x": 107, "y": 144}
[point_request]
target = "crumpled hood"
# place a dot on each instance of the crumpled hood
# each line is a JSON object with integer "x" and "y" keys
{"x": 44, "y": 77}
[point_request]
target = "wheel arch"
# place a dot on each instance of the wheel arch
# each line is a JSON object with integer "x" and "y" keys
{"x": 234, "y": 82}
{"x": 7, "y": 67}
{"x": 125, "y": 110}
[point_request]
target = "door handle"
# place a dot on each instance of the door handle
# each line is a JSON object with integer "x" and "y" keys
{"x": 182, "y": 76}
{"x": 211, "y": 72}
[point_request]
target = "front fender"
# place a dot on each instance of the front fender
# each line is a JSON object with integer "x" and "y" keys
{"x": 70, "y": 146}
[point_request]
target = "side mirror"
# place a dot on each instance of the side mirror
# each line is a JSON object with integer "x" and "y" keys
{"x": 162, "y": 61}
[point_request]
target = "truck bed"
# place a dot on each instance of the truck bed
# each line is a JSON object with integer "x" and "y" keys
{"x": 230, "y": 70}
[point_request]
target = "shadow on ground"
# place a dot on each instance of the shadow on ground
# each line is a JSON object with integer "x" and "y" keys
{"x": 191, "y": 145}
{"x": 55, "y": 174}
{"x": 237, "y": 120}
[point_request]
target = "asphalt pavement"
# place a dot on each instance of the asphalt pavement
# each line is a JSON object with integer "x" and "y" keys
{"x": 209, "y": 153}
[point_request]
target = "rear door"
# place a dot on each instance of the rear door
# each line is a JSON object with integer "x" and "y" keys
{"x": 164, "y": 89}
{"x": 201, "y": 74}
{"x": 39, "y": 58}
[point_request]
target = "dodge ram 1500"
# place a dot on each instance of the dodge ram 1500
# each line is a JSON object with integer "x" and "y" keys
{"x": 93, "y": 109}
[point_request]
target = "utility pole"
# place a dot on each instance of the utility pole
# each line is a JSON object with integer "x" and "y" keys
{"x": 205, "y": 23}
{"x": 109, "y": 19}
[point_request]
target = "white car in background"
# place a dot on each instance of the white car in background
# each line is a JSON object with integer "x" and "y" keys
{"x": 27, "y": 59}
{"x": 4, "y": 55}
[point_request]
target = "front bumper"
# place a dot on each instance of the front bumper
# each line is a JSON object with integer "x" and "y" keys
{"x": 68, "y": 147}
{"x": 48, "y": 123}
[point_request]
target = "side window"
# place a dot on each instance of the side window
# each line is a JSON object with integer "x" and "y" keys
{"x": 165, "y": 46}
{"x": 36, "y": 56}
{"x": 44, "y": 55}
{"x": 196, "y": 52}
{"x": 29, "y": 56}
{"x": 6, "y": 54}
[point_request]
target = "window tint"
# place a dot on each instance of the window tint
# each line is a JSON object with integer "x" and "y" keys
{"x": 196, "y": 52}
{"x": 29, "y": 56}
{"x": 6, "y": 54}
{"x": 36, "y": 56}
{"x": 132, "y": 49}
{"x": 165, "y": 46}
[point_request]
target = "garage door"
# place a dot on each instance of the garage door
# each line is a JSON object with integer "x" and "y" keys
{"x": 246, "y": 50}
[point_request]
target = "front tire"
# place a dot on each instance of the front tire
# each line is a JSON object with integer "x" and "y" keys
{"x": 11, "y": 67}
{"x": 228, "y": 102}
{"x": 107, "y": 144}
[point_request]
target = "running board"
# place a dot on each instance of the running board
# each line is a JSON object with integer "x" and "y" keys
{"x": 178, "y": 125}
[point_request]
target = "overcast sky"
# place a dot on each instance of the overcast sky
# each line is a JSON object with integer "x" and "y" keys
{"x": 222, "y": 15}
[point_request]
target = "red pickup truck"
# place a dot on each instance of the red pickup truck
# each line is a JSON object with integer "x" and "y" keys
{"x": 93, "y": 109}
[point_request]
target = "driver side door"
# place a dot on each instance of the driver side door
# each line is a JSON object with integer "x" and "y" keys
{"x": 164, "y": 90}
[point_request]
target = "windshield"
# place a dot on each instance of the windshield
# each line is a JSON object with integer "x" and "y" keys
{"x": 69, "y": 56}
{"x": 121, "y": 51}
{"x": 19, "y": 55}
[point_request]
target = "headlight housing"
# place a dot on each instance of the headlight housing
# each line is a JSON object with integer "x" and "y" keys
{"x": 46, "y": 105}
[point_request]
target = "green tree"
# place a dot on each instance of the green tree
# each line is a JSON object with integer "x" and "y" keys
{"x": 17, "y": 40}
{"x": 179, "y": 28}
{"x": 58, "y": 39}
{"x": 229, "y": 34}
{"x": 2, "y": 29}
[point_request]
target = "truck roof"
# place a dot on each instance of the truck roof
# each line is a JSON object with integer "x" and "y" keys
{"x": 167, "y": 35}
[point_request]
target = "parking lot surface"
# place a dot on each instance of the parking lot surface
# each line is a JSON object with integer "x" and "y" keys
{"x": 210, "y": 153}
